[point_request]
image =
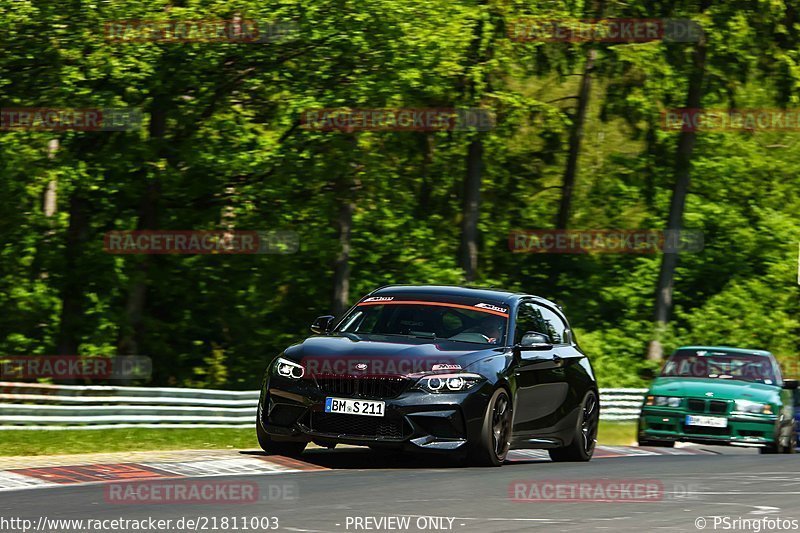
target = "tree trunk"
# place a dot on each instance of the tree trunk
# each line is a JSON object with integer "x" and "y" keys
{"x": 135, "y": 305}
{"x": 72, "y": 289}
{"x": 683, "y": 164}
{"x": 50, "y": 201}
{"x": 130, "y": 338}
{"x": 479, "y": 55}
{"x": 575, "y": 137}
{"x": 472, "y": 204}
{"x": 341, "y": 265}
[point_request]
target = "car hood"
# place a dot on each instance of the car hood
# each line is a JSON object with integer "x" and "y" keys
{"x": 386, "y": 355}
{"x": 714, "y": 388}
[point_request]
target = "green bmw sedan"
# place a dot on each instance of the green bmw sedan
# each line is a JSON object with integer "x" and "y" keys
{"x": 720, "y": 395}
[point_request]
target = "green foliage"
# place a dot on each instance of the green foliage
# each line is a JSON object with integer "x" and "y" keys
{"x": 232, "y": 154}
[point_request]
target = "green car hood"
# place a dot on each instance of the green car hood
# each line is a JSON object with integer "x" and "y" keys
{"x": 720, "y": 389}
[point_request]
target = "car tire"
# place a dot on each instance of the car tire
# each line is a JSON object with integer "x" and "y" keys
{"x": 492, "y": 446}
{"x": 791, "y": 441}
{"x": 585, "y": 438}
{"x": 778, "y": 446}
{"x": 277, "y": 447}
{"x": 785, "y": 443}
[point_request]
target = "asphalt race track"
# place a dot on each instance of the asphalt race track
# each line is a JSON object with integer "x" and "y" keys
{"x": 353, "y": 489}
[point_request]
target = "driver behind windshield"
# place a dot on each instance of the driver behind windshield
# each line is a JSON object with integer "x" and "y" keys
{"x": 435, "y": 320}
{"x": 490, "y": 327}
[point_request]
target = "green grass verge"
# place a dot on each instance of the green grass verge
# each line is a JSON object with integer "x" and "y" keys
{"x": 616, "y": 433}
{"x": 121, "y": 440}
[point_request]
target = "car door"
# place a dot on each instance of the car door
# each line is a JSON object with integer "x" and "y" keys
{"x": 575, "y": 368}
{"x": 539, "y": 375}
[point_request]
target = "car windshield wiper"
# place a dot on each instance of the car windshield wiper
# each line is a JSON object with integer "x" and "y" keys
{"x": 472, "y": 342}
{"x": 431, "y": 336}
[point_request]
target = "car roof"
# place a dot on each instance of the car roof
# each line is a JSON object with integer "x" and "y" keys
{"x": 727, "y": 349}
{"x": 490, "y": 294}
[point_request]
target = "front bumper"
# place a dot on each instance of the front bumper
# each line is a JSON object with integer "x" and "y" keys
{"x": 414, "y": 420}
{"x": 668, "y": 425}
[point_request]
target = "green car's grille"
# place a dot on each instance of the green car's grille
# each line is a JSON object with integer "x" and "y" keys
{"x": 718, "y": 407}
{"x": 715, "y": 407}
{"x": 698, "y": 406}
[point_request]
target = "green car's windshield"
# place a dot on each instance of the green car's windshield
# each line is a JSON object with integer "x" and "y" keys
{"x": 721, "y": 365}
{"x": 433, "y": 320}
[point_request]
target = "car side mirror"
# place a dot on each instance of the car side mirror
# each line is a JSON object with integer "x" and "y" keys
{"x": 533, "y": 340}
{"x": 322, "y": 324}
{"x": 790, "y": 384}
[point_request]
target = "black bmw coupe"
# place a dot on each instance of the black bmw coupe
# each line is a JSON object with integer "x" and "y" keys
{"x": 466, "y": 371}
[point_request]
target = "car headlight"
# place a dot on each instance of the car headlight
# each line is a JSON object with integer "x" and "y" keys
{"x": 458, "y": 382}
{"x": 663, "y": 401}
{"x": 753, "y": 408}
{"x": 288, "y": 369}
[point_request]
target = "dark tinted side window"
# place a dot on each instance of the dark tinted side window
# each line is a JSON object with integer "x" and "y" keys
{"x": 528, "y": 319}
{"x": 554, "y": 325}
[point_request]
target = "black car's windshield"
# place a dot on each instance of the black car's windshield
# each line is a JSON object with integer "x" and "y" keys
{"x": 722, "y": 365}
{"x": 480, "y": 323}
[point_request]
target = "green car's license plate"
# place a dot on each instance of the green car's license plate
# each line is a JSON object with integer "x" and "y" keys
{"x": 707, "y": 421}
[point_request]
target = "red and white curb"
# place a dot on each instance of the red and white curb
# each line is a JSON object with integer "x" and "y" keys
{"x": 605, "y": 452}
{"x": 53, "y": 476}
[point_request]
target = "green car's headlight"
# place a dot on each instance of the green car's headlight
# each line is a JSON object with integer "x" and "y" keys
{"x": 438, "y": 383}
{"x": 753, "y": 408}
{"x": 663, "y": 401}
{"x": 288, "y": 369}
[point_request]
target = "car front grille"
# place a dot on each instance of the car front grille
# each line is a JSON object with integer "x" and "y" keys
{"x": 357, "y": 426}
{"x": 698, "y": 406}
{"x": 715, "y": 407}
{"x": 362, "y": 387}
{"x": 718, "y": 407}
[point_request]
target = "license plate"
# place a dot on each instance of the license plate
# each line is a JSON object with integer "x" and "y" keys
{"x": 354, "y": 407}
{"x": 707, "y": 421}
